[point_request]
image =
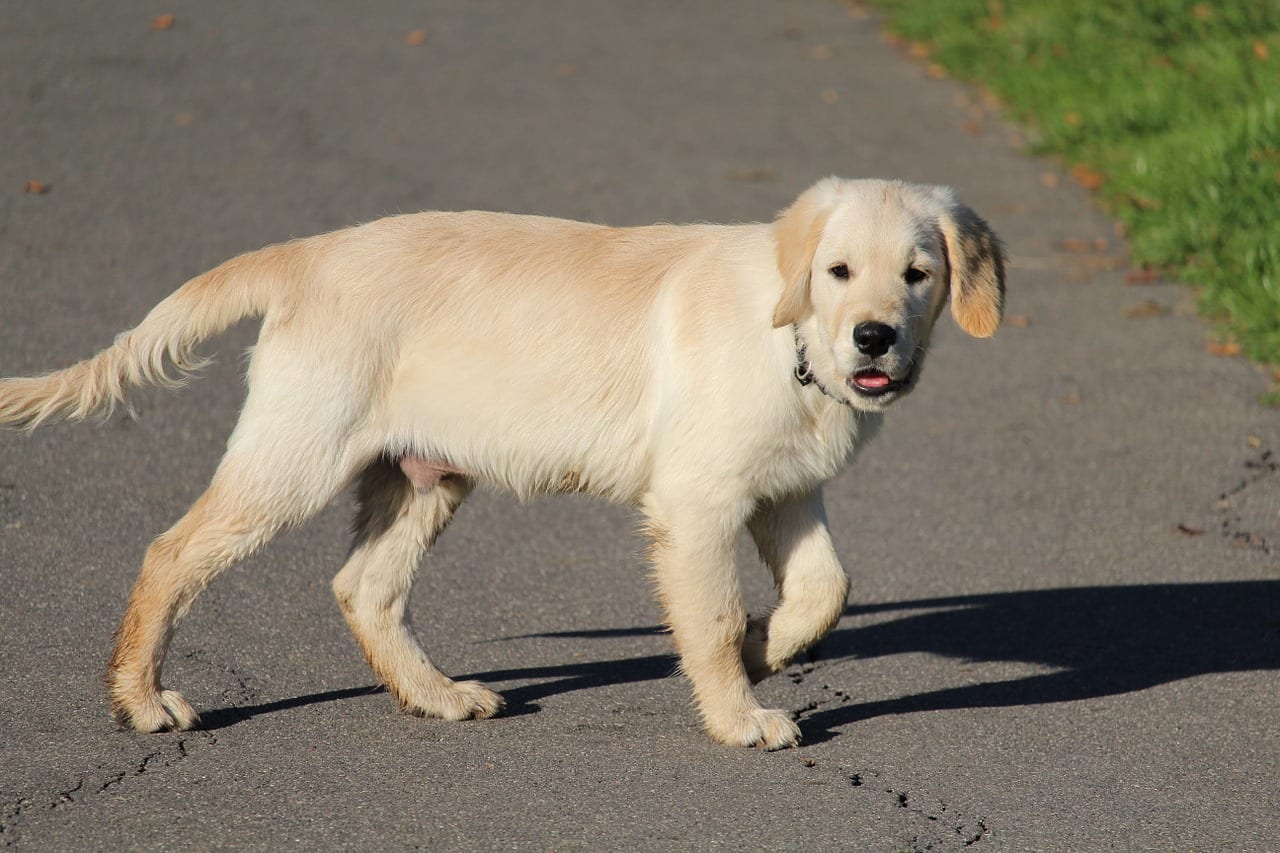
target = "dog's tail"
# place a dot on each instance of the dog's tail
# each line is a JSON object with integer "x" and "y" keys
{"x": 247, "y": 285}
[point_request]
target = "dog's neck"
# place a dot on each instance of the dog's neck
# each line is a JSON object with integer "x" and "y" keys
{"x": 804, "y": 369}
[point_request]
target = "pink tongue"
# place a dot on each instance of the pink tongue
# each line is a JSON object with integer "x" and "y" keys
{"x": 872, "y": 380}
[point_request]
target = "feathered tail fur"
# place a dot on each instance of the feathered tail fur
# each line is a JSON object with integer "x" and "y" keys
{"x": 203, "y": 307}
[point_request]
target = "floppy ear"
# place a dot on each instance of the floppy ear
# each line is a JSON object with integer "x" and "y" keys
{"x": 976, "y": 260}
{"x": 797, "y": 231}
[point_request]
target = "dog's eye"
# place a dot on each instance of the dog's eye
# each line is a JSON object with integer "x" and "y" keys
{"x": 915, "y": 276}
{"x": 840, "y": 271}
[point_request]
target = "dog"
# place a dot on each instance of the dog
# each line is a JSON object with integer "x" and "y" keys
{"x": 711, "y": 376}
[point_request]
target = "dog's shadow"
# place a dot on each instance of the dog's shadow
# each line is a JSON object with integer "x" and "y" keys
{"x": 1096, "y": 641}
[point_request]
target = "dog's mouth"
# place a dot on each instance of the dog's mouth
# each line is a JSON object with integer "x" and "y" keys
{"x": 871, "y": 382}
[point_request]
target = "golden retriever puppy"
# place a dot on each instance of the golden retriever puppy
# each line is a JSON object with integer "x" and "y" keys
{"x": 714, "y": 377}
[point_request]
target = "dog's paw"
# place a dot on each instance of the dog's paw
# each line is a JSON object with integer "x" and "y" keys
{"x": 471, "y": 700}
{"x": 458, "y": 700}
{"x": 159, "y": 711}
{"x": 766, "y": 728}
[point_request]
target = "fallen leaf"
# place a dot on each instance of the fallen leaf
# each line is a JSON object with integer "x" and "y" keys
{"x": 1202, "y": 11}
{"x": 415, "y": 38}
{"x": 1190, "y": 531}
{"x": 973, "y": 128}
{"x": 1049, "y": 179}
{"x": 1253, "y": 441}
{"x": 821, "y": 52}
{"x": 1226, "y": 349}
{"x": 990, "y": 99}
{"x": 564, "y": 69}
{"x": 919, "y": 50}
{"x": 1143, "y": 276}
{"x": 1072, "y": 399}
{"x": 184, "y": 119}
{"x": 1260, "y": 49}
{"x": 856, "y": 10}
{"x": 1150, "y": 308}
{"x": 935, "y": 71}
{"x": 162, "y": 22}
{"x": 1072, "y": 244}
{"x": 1017, "y": 321}
{"x": 35, "y": 188}
{"x": 1088, "y": 178}
{"x": 830, "y": 96}
{"x": 1073, "y": 119}
{"x": 751, "y": 176}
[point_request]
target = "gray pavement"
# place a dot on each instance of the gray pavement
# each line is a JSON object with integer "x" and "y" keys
{"x": 1065, "y": 626}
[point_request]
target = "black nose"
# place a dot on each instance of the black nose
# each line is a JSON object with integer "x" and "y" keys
{"x": 873, "y": 339}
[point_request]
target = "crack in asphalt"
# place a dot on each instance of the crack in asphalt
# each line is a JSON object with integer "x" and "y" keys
{"x": 15, "y": 813}
{"x": 1251, "y": 514}
{"x": 953, "y": 828}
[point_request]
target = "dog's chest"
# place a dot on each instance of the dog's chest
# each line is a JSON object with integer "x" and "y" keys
{"x": 814, "y": 450}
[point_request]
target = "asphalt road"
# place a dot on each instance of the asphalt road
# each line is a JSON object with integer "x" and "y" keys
{"x": 1064, "y": 632}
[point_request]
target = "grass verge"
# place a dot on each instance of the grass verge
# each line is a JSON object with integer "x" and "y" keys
{"x": 1170, "y": 109}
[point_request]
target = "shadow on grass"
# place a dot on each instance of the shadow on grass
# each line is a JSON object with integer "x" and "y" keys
{"x": 1101, "y": 641}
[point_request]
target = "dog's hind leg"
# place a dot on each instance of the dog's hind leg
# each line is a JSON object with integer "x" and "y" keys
{"x": 298, "y": 443}
{"x": 794, "y": 542}
{"x": 395, "y": 525}
{"x": 253, "y": 495}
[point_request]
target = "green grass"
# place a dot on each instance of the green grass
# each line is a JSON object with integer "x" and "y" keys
{"x": 1175, "y": 102}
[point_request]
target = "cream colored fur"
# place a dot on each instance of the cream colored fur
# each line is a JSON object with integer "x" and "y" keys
{"x": 421, "y": 355}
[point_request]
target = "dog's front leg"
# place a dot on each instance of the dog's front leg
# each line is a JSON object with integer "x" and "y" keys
{"x": 693, "y": 558}
{"x": 792, "y": 536}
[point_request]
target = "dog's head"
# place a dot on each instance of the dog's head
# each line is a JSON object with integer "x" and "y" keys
{"x": 867, "y": 267}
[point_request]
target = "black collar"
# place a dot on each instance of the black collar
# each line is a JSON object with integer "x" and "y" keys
{"x": 804, "y": 370}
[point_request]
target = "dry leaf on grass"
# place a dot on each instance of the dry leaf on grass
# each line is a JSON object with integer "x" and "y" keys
{"x": 162, "y": 22}
{"x": 1260, "y": 49}
{"x": 1150, "y": 308}
{"x": 1088, "y": 178}
{"x": 35, "y": 188}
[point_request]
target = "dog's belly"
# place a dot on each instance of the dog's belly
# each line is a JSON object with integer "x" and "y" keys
{"x": 426, "y": 471}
